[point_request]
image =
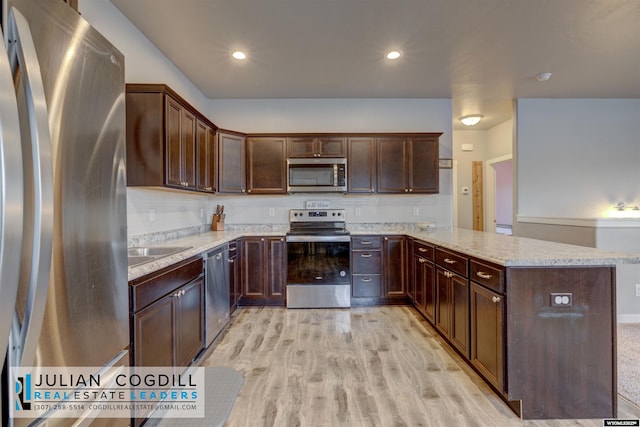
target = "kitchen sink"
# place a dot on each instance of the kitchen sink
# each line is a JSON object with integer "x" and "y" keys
{"x": 141, "y": 255}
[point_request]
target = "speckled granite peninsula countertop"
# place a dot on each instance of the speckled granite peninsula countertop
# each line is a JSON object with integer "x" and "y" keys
{"x": 500, "y": 249}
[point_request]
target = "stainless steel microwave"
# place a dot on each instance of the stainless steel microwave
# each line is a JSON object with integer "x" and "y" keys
{"x": 318, "y": 175}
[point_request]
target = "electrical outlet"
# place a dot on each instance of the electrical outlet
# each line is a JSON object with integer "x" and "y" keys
{"x": 416, "y": 211}
{"x": 638, "y": 289}
{"x": 358, "y": 212}
{"x": 152, "y": 215}
{"x": 561, "y": 299}
{"x": 272, "y": 212}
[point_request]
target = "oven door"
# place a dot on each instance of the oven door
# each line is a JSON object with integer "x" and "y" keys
{"x": 318, "y": 273}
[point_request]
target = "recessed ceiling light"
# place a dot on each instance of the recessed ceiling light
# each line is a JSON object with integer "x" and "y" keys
{"x": 394, "y": 54}
{"x": 471, "y": 120}
{"x": 543, "y": 77}
{"x": 238, "y": 54}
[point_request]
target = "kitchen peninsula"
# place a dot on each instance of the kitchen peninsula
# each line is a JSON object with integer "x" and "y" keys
{"x": 535, "y": 319}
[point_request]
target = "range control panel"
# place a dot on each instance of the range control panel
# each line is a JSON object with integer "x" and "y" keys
{"x": 316, "y": 215}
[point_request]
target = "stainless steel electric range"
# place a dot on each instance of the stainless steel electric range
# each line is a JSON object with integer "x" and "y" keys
{"x": 318, "y": 258}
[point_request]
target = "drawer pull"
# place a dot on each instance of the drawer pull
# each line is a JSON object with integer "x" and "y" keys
{"x": 496, "y": 299}
{"x": 368, "y": 279}
{"x": 450, "y": 261}
{"x": 366, "y": 255}
{"x": 483, "y": 275}
{"x": 422, "y": 260}
{"x": 423, "y": 250}
{"x": 366, "y": 242}
{"x": 232, "y": 249}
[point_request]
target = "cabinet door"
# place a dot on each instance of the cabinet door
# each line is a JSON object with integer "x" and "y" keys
{"x": 487, "y": 334}
{"x": 266, "y": 166}
{"x": 423, "y": 169}
{"x": 331, "y": 147}
{"x": 231, "y": 163}
{"x": 394, "y": 265}
{"x": 254, "y": 261}
{"x": 460, "y": 314}
{"x": 392, "y": 165}
{"x": 153, "y": 337}
{"x": 173, "y": 132}
{"x": 234, "y": 274}
{"x": 418, "y": 283}
{"x": 189, "y": 323}
{"x": 301, "y": 147}
{"x": 429, "y": 277}
{"x": 361, "y": 165}
{"x": 443, "y": 302}
{"x": 277, "y": 269}
{"x": 188, "y": 149}
{"x": 205, "y": 155}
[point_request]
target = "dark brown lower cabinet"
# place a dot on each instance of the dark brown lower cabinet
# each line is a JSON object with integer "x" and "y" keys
{"x": 264, "y": 271}
{"x": 167, "y": 317}
{"x": 452, "y": 309}
{"x": 234, "y": 274}
{"x": 424, "y": 287}
{"x": 394, "y": 252}
{"x": 487, "y": 334}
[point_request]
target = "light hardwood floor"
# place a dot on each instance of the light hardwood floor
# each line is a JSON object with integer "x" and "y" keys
{"x": 381, "y": 366}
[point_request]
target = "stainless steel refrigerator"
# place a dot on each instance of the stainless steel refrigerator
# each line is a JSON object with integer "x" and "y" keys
{"x": 63, "y": 261}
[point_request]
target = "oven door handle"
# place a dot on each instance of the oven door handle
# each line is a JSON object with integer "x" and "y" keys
{"x": 328, "y": 239}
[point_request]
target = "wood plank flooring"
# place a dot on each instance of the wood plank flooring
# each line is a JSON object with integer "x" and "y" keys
{"x": 380, "y": 366}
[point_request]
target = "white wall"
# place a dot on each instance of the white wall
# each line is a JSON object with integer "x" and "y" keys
{"x": 577, "y": 157}
{"x": 144, "y": 63}
{"x": 504, "y": 192}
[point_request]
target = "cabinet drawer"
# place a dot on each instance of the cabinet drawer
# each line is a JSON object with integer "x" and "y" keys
{"x": 366, "y": 242}
{"x": 154, "y": 286}
{"x": 366, "y": 285}
{"x": 423, "y": 249}
{"x": 452, "y": 261}
{"x": 366, "y": 262}
{"x": 487, "y": 275}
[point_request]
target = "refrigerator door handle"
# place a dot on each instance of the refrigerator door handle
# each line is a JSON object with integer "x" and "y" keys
{"x": 22, "y": 53}
{"x": 11, "y": 201}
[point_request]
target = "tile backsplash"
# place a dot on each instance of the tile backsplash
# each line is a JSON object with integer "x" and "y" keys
{"x": 151, "y": 210}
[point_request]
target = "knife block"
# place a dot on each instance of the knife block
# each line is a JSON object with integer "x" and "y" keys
{"x": 217, "y": 224}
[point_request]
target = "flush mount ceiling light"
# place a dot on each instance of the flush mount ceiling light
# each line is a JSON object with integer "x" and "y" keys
{"x": 471, "y": 120}
{"x": 394, "y": 54}
{"x": 238, "y": 54}
{"x": 543, "y": 77}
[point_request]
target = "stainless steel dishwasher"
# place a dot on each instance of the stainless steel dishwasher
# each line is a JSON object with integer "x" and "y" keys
{"x": 216, "y": 292}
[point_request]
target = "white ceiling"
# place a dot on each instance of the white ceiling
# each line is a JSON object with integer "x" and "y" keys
{"x": 480, "y": 53}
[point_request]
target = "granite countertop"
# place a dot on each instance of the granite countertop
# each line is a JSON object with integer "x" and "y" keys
{"x": 508, "y": 251}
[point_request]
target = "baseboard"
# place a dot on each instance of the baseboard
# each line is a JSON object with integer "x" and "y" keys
{"x": 628, "y": 318}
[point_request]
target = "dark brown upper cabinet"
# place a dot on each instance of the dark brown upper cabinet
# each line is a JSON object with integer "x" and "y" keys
{"x": 266, "y": 165}
{"x": 164, "y": 146}
{"x": 231, "y": 162}
{"x": 361, "y": 165}
{"x": 316, "y": 146}
{"x": 408, "y": 164}
{"x": 206, "y": 157}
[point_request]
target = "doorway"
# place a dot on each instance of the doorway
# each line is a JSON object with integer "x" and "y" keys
{"x": 499, "y": 195}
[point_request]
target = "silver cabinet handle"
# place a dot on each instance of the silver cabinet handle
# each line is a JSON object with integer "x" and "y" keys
{"x": 365, "y": 242}
{"x": 496, "y": 299}
{"x": 368, "y": 279}
{"x": 450, "y": 261}
{"x": 11, "y": 222}
{"x": 231, "y": 261}
{"x": 422, "y": 260}
{"x": 483, "y": 275}
{"x": 22, "y": 53}
{"x": 366, "y": 255}
{"x": 423, "y": 250}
